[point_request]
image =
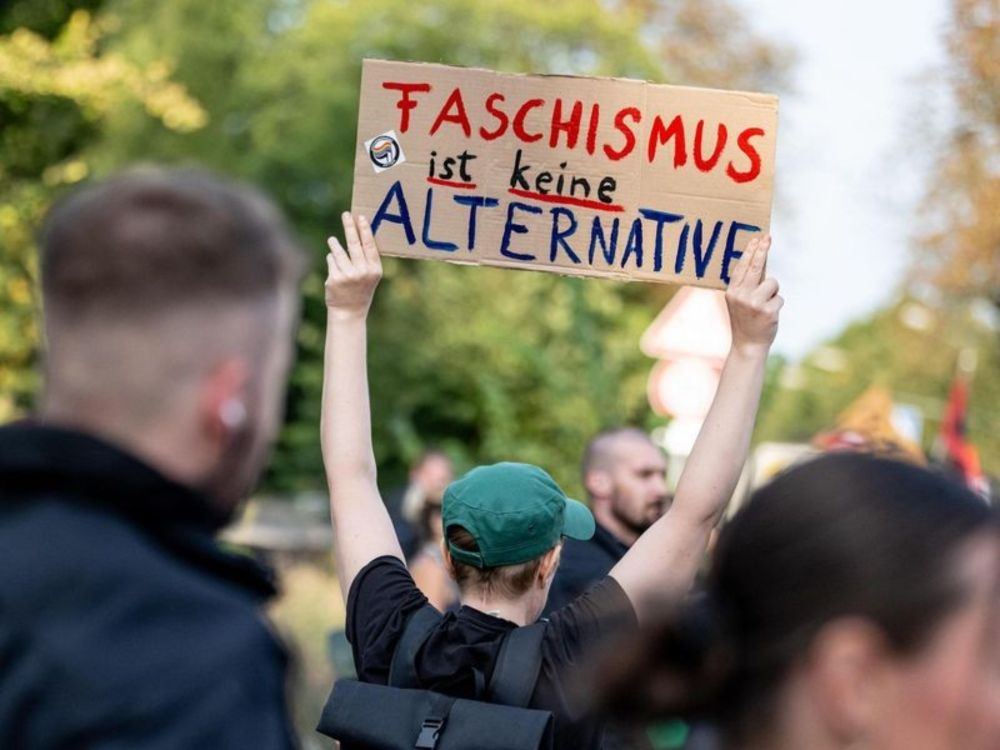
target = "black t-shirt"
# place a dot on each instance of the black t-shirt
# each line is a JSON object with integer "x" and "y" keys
{"x": 582, "y": 564}
{"x": 383, "y": 596}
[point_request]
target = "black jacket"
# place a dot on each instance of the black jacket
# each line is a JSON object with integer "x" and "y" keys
{"x": 122, "y": 623}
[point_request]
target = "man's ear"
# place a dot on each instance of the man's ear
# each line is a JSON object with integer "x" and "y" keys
{"x": 845, "y": 667}
{"x": 223, "y": 399}
{"x": 598, "y": 483}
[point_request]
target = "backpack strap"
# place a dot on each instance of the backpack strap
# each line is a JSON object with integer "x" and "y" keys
{"x": 403, "y": 669}
{"x": 518, "y": 664}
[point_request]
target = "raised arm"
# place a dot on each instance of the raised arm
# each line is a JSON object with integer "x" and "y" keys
{"x": 665, "y": 559}
{"x": 362, "y": 529}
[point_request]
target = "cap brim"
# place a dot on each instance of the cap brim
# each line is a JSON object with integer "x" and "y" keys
{"x": 579, "y": 521}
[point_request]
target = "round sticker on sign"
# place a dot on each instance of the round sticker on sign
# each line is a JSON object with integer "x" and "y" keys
{"x": 384, "y": 151}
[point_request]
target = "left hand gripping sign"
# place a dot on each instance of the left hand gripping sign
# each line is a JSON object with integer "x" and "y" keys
{"x": 584, "y": 176}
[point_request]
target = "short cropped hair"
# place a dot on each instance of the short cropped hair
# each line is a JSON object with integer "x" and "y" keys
{"x": 151, "y": 240}
{"x": 600, "y": 451}
{"x": 506, "y": 581}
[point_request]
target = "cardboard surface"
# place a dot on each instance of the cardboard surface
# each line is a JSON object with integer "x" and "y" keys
{"x": 585, "y": 176}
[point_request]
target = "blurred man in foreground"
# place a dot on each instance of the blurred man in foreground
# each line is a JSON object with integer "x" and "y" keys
{"x": 625, "y": 476}
{"x": 170, "y": 302}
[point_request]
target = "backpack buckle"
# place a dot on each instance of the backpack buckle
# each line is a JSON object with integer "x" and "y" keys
{"x": 430, "y": 732}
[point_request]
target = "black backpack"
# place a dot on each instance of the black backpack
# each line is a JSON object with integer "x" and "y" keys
{"x": 402, "y": 716}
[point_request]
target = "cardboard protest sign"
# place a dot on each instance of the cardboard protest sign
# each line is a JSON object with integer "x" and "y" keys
{"x": 586, "y": 176}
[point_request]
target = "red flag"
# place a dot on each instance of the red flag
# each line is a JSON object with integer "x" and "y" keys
{"x": 960, "y": 454}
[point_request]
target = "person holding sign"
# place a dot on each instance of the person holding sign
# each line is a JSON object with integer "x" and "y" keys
{"x": 504, "y": 523}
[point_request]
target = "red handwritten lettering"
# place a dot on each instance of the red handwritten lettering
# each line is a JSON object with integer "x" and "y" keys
{"x": 405, "y": 104}
{"x": 458, "y": 117}
{"x": 622, "y": 127}
{"x": 743, "y": 141}
{"x": 570, "y": 127}
{"x": 488, "y": 135}
{"x": 522, "y": 112}
{"x": 595, "y": 119}
{"x": 706, "y": 165}
{"x": 659, "y": 135}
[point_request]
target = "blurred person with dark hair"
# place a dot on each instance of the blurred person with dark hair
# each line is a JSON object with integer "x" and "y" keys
{"x": 854, "y": 602}
{"x": 429, "y": 478}
{"x": 625, "y": 476}
{"x": 430, "y": 474}
{"x": 170, "y": 301}
{"x": 428, "y": 566}
{"x": 503, "y": 524}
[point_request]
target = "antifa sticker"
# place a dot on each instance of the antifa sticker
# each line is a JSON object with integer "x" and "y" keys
{"x": 384, "y": 151}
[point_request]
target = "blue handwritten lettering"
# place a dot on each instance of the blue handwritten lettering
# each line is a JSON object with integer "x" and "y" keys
{"x": 634, "y": 244}
{"x": 608, "y": 247}
{"x": 425, "y": 235}
{"x": 474, "y": 202}
{"x": 702, "y": 255}
{"x": 403, "y": 217}
{"x": 661, "y": 218}
{"x": 510, "y": 227}
{"x": 732, "y": 253}
{"x": 559, "y": 235}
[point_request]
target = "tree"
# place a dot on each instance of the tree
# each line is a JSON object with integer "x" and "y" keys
{"x": 960, "y": 244}
{"x": 490, "y": 364}
{"x": 913, "y": 346}
{"x": 711, "y": 44}
{"x": 54, "y": 94}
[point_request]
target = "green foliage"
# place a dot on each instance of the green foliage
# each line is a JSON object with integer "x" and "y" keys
{"x": 44, "y": 17}
{"x": 487, "y": 364}
{"x": 54, "y": 95}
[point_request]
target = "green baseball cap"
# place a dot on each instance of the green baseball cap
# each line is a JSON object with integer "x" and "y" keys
{"x": 515, "y": 512}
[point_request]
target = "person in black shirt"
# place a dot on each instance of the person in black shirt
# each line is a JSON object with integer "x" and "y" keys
{"x": 170, "y": 305}
{"x": 504, "y": 523}
{"x": 383, "y": 594}
{"x": 625, "y": 476}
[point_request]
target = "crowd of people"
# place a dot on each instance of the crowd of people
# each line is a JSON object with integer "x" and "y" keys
{"x": 854, "y": 602}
